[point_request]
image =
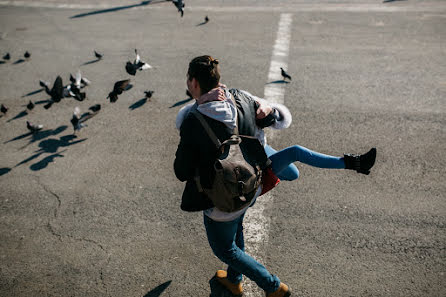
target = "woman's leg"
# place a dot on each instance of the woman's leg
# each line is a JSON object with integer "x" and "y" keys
{"x": 222, "y": 237}
{"x": 287, "y": 171}
{"x": 282, "y": 159}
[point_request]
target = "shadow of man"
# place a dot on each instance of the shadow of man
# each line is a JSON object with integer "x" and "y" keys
{"x": 217, "y": 290}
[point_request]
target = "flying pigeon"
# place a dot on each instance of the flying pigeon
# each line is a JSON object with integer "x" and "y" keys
{"x": 56, "y": 93}
{"x": 7, "y": 56}
{"x": 149, "y": 94}
{"x": 118, "y": 88}
{"x": 284, "y": 74}
{"x": 98, "y": 55}
{"x": 79, "y": 81}
{"x": 136, "y": 65}
{"x": 33, "y": 128}
{"x": 74, "y": 89}
{"x": 30, "y": 105}
{"x": 95, "y": 108}
{"x": 27, "y": 55}
{"x": 45, "y": 85}
{"x": 3, "y": 109}
{"x": 76, "y": 120}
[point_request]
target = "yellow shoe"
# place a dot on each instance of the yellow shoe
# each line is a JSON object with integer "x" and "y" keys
{"x": 222, "y": 277}
{"x": 282, "y": 291}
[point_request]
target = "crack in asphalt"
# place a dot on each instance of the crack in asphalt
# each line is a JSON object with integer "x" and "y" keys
{"x": 59, "y": 236}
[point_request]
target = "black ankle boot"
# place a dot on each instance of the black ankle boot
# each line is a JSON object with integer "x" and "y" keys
{"x": 361, "y": 163}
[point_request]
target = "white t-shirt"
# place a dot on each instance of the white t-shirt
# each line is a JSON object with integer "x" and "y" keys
{"x": 221, "y": 216}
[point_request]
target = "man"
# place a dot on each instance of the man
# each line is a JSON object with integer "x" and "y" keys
{"x": 196, "y": 151}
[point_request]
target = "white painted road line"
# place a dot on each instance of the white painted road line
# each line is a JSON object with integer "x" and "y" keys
{"x": 257, "y": 224}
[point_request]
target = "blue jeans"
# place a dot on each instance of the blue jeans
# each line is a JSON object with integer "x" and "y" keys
{"x": 282, "y": 161}
{"x": 226, "y": 241}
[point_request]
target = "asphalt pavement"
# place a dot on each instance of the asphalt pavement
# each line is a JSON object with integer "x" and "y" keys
{"x": 97, "y": 213}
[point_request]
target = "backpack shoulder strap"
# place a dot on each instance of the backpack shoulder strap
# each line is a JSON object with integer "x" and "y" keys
{"x": 207, "y": 128}
{"x": 235, "y": 104}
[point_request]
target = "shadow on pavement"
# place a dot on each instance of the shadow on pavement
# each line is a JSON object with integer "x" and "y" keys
{"x": 19, "y": 61}
{"x": 39, "y": 135}
{"x": 138, "y": 104}
{"x": 143, "y": 3}
{"x": 181, "y": 102}
{"x": 18, "y": 116}
{"x": 4, "y": 170}
{"x": 45, "y": 161}
{"x": 33, "y": 93}
{"x": 158, "y": 290}
{"x": 50, "y": 146}
{"x": 281, "y": 81}
{"x": 217, "y": 290}
{"x": 91, "y": 62}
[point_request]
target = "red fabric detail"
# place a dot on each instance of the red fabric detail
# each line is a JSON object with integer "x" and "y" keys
{"x": 269, "y": 180}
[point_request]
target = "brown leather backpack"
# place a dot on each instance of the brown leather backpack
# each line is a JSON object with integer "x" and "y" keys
{"x": 236, "y": 180}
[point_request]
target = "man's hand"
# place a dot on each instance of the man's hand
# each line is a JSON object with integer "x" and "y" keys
{"x": 263, "y": 111}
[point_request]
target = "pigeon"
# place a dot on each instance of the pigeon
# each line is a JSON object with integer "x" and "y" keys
{"x": 30, "y": 105}
{"x": 56, "y": 93}
{"x": 7, "y": 57}
{"x": 206, "y": 19}
{"x": 118, "y": 88}
{"x": 33, "y": 128}
{"x": 45, "y": 85}
{"x": 98, "y": 55}
{"x": 74, "y": 89}
{"x": 149, "y": 94}
{"x": 136, "y": 65}
{"x": 77, "y": 120}
{"x": 27, "y": 55}
{"x": 95, "y": 108}
{"x": 284, "y": 74}
{"x": 3, "y": 109}
{"x": 79, "y": 81}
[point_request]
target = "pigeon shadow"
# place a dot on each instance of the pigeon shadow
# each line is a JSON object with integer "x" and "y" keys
{"x": 280, "y": 81}
{"x": 181, "y": 102}
{"x": 158, "y": 290}
{"x": 217, "y": 289}
{"x": 21, "y": 114}
{"x": 33, "y": 93}
{"x": 45, "y": 161}
{"x": 91, "y": 62}
{"x": 4, "y": 170}
{"x": 2, "y": 62}
{"x": 138, "y": 104}
{"x": 18, "y": 61}
{"x": 50, "y": 146}
{"x": 202, "y": 23}
{"x": 42, "y": 101}
{"x": 39, "y": 135}
{"x": 386, "y": 1}
{"x": 118, "y": 8}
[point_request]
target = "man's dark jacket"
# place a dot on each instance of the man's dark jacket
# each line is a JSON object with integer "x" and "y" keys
{"x": 196, "y": 149}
